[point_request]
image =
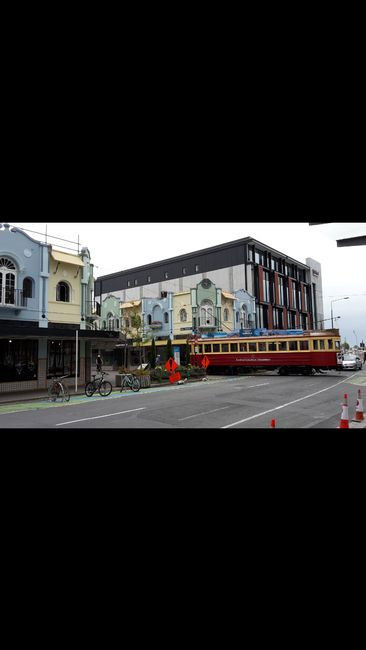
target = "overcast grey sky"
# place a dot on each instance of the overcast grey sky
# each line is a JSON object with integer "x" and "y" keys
{"x": 118, "y": 246}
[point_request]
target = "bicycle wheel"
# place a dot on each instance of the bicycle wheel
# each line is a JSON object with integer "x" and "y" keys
{"x": 135, "y": 384}
{"x": 53, "y": 392}
{"x": 105, "y": 388}
{"x": 66, "y": 394}
{"x": 90, "y": 389}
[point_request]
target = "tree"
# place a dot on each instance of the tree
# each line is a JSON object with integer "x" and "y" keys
{"x": 152, "y": 354}
{"x": 169, "y": 348}
{"x": 345, "y": 345}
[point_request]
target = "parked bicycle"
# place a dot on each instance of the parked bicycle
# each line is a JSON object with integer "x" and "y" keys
{"x": 130, "y": 381}
{"x": 98, "y": 384}
{"x": 58, "y": 390}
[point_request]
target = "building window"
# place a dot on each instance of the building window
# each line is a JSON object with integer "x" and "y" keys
{"x": 243, "y": 316}
{"x": 61, "y": 358}
{"x": 128, "y": 283}
{"x": 281, "y": 291}
{"x": 27, "y": 288}
{"x": 135, "y": 283}
{"x": 149, "y": 319}
{"x": 63, "y": 292}
{"x": 196, "y": 268}
{"x": 127, "y": 322}
{"x": 110, "y": 319}
{"x": 148, "y": 279}
{"x": 184, "y": 270}
{"x": 166, "y": 275}
{"x": 166, "y": 317}
{"x": 7, "y": 281}
{"x": 237, "y": 317}
{"x": 183, "y": 316}
{"x": 117, "y": 323}
{"x": 226, "y": 314}
{"x": 18, "y": 360}
{"x": 206, "y": 313}
{"x": 266, "y": 294}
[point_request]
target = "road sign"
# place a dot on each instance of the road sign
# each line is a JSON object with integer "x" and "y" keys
{"x": 205, "y": 362}
{"x": 171, "y": 365}
{"x": 175, "y": 376}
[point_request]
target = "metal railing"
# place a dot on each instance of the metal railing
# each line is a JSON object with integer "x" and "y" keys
{"x": 12, "y": 298}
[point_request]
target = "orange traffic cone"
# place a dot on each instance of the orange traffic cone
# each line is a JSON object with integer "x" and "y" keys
{"x": 359, "y": 408}
{"x": 344, "y": 423}
{"x": 273, "y": 424}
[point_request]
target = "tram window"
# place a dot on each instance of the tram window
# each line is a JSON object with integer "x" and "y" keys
{"x": 207, "y": 347}
{"x": 200, "y": 349}
{"x": 224, "y": 347}
{"x": 292, "y": 345}
{"x": 304, "y": 345}
{"x": 322, "y": 344}
{"x": 233, "y": 347}
{"x": 252, "y": 347}
{"x": 216, "y": 347}
{"x": 282, "y": 345}
{"x": 338, "y": 345}
{"x": 272, "y": 346}
{"x": 262, "y": 347}
{"x": 243, "y": 347}
{"x": 330, "y": 344}
{"x": 316, "y": 344}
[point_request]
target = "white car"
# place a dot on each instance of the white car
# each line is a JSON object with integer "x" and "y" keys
{"x": 351, "y": 362}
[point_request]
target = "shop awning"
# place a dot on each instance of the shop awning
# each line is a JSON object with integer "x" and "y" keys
{"x": 68, "y": 259}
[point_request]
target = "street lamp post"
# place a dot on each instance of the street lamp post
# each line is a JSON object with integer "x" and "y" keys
{"x": 331, "y": 306}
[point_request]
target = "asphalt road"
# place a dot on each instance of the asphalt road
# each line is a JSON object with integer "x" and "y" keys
{"x": 237, "y": 402}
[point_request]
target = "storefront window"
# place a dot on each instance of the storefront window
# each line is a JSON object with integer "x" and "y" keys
{"x": 61, "y": 359}
{"x": 18, "y": 360}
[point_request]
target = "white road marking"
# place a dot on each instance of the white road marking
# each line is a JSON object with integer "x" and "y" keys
{"x": 276, "y": 408}
{"x": 96, "y": 417}
{"x": 203, "y": 413}
{"x": 254, "y": 386}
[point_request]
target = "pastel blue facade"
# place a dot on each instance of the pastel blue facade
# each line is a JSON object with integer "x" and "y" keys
{"x": 157, "y": 317}
{"x": 24, "y": 276}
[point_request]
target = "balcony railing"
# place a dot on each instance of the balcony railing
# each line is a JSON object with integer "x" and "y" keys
{"x": 156, "y": 324}
{"x": 12, "y": 298}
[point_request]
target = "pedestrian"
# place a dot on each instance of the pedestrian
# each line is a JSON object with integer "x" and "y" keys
{"x": 99, "y": 363}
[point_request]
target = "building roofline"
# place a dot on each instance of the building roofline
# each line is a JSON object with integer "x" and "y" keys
{"x": 185, "y": 256}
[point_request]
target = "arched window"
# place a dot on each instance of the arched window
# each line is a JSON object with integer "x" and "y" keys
{"x": 110, "y": 320}
{"x": 243, "y": 316}
{"x": 149, "y": 319}
{"x": 166, "y": 317}
{"x": 8, "y": 277}
{"x": 117, "y": 323}
{"x": 27, "y": 288}
{"x": 237, "y": 317}
{"x": 226, "y": 314}
{"x": 127, "y": 322}
{"x": 207, "y": 317}
{"x": 183, "y": 316}
{"x": 63, "y": 292}
{"x": 104, "y": 325}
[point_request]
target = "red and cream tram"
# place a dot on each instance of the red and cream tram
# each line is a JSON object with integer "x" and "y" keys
{"x": 288, "y": 353}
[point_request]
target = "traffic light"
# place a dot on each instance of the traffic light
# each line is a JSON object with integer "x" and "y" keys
{"x": 362, "y": 345}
